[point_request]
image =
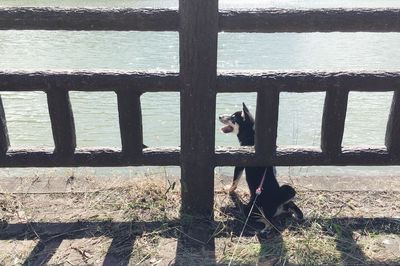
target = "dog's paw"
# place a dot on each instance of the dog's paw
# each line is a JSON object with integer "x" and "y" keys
{"x": 298, "y": 216}
{"x": 295, "y": 211}
{"x": 268, "y": 227}
{"x": 266, "y": 230}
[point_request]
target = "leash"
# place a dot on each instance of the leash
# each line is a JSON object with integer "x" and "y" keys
{"x": 259, "y": 189}
{"x": 258, "y": 192}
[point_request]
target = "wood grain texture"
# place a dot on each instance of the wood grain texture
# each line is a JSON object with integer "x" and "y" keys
{"x": 4, "y": 140}
{"x": 49, "y": 18}
{"x": 266, "y": 122}
{"x": 303, "y": 156}
{"x": 198, "y": 81}
{"x": 308, "y": 81}
{"x": 333, "y": 121}
{"x": 226, "y": 82}
{"x": 392, "y": 138}
{"x": 257, "y": 20}
{"x": 96, "y": 157}
{"x": 311, "y": 20}
{"x": 288, "y": 156}
{"x": 62, "y": 123}
{"x": 130, "y": 122}
{"x": 88, "y": 81}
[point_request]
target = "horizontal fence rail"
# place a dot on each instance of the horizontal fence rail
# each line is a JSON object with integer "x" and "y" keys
{"x": 312, "y": 20}
{"x": 309, "y": 81}
{"x": 227, "y": 82}
{"x": 257, "y": 20}
{"x": 97, "y": 157}
{"x": 226, "y": 156}
{"x": 302, "y": 156}
{"x": 89, "y": 81}
{"x": 128, "y": 87}
{"x": 89, "y": 19}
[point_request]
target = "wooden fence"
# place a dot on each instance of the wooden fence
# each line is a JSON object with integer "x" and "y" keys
{"x": 198, "y": 23}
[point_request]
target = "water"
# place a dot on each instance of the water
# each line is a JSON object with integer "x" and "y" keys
{"x": 96, "y": 113}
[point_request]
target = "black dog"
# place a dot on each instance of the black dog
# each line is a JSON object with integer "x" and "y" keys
{"x": 274, "y": 199}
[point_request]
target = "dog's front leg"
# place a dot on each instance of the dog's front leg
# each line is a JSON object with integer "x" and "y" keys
{"x": 236, "y": 177}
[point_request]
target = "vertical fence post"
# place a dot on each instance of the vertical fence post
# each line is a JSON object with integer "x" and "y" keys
{"x": 62, "y": 122}
{"x": 198, "y": 74}
{"x": 266, "y": 123}
{"x": 4, "y": 140}
{"x": 130, "y": 122}
{"x": 333, "y": 121}
{"x": 393, "y": 126}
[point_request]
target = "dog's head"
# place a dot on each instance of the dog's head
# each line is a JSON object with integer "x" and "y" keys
{"x": 238, "y": 120}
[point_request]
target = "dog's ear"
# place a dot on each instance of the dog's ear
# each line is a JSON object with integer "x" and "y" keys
{"x": 246, "y": 114}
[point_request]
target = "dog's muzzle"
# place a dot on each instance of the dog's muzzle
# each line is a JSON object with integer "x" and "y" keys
{"x": 226, "y": 120}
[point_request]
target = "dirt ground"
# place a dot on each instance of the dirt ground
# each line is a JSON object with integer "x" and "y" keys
{"x": 137, "y": 223}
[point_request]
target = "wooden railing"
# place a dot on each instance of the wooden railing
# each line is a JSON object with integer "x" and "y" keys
{"x": 198, "y": 23}
{"x": 129, "y": 86}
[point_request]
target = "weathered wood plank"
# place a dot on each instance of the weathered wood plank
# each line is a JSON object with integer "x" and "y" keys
{"x": 88, "y": 81}
{"x": 49, "y": 18}
{"x": 266, "y": 122}
{"x": 4, "y": 140}
{"x": 62, "y": 122}
{"x": 198, "y": 81}
{"x": 298, "y": 156}
{"x": 227, "y": 82}
{"x": 308, "y": 81}
{"x": 392, "y": 138}
{"x": 89, "y": 157}
{"x": 246, "y": 156}
{"x": 333, "y": 121}
{"x": 130, "y": 122}
{"x": 258, "y": 20}
{"x": 311, "y": 20}
{"x": 302, "y": 156}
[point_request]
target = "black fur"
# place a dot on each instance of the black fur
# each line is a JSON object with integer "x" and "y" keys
{"x": 274, "y": 199}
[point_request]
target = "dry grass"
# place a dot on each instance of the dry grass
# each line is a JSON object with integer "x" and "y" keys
{"x": 144, "y": 216}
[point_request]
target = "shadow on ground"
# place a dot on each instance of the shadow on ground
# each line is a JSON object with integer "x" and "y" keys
{"x": 124, "y": 234}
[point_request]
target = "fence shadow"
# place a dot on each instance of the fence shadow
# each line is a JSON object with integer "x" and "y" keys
{"x": 50, "y": 236}
{"x": 124, "y": 235}
{"x": 347, "y": 245}
{"x": 193, "y": 251}
{"x": 43, "y": 251}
